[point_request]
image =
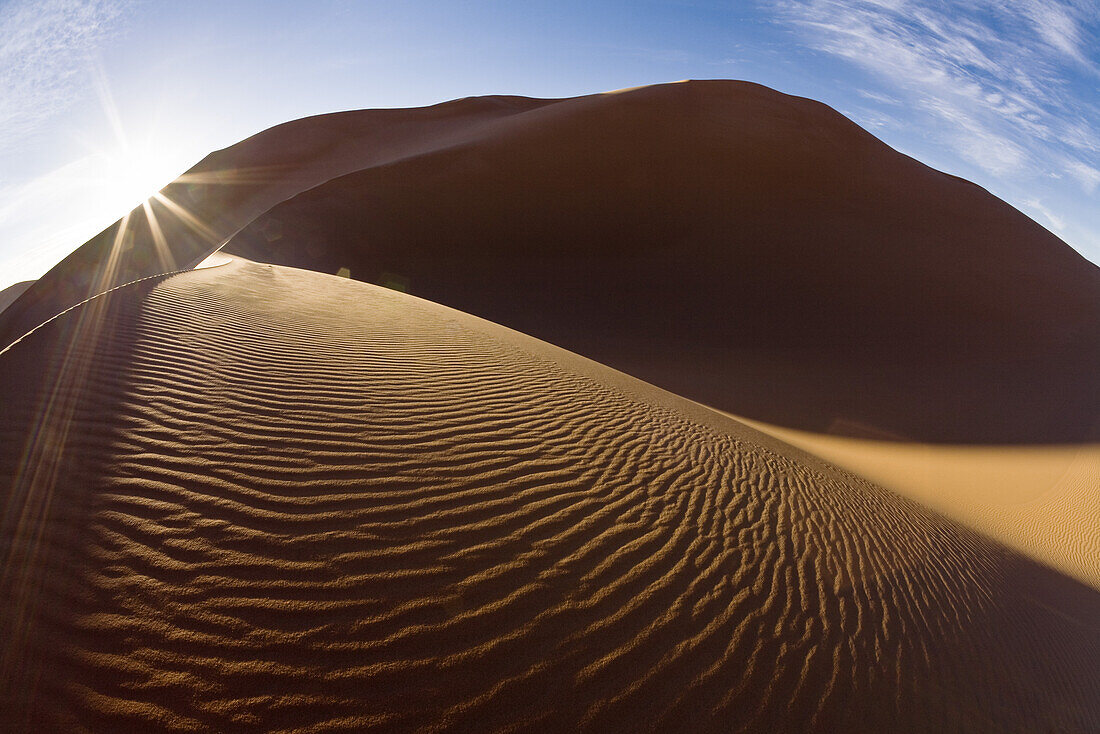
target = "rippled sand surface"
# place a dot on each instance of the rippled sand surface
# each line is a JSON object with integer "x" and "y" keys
{"x": 254, "y": 498}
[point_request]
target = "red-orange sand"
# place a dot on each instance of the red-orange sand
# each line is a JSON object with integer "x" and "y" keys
{"x": 251, "y": 497}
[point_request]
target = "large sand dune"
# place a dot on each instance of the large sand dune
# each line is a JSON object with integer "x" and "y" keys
{"x": 253, "y": 498}
{"x": 754, "y": 251}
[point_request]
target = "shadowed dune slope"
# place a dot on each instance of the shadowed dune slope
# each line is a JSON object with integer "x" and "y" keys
{"x": 13, "y": 291}
{"x": 253, "y": 498}
{"x": 750, "y": 250}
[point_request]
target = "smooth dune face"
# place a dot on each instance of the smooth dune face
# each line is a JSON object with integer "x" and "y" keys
{"x": 9, "y": 294}
{"x": 253, "y": 498}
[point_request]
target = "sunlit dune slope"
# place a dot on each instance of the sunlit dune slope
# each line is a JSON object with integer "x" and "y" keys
{"x": 1043, "y": 501}
{"x": 253, "y": 498}
{"x": 751, "y": 250}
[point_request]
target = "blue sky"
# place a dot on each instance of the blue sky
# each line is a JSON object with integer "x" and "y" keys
{"x": 104, "y": 101}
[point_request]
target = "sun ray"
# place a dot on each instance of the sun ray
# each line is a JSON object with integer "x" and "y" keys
{"x": 160, "y": 243}
{"x": 106, "y": 277}
{"x": 189, "y": 219}
{"x": 107, "y": 102}
{"x": 248, "y": 176}
{"x": 30, "y": 506}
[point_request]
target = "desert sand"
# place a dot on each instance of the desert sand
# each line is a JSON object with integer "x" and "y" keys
{"x": 284, "y": 500}
{"x": 255, "y": 496}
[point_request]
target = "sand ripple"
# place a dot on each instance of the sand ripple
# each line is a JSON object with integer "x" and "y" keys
{"x": 278, "y": 501}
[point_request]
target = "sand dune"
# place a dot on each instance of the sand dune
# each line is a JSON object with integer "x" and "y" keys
{"x": 753, "y": 251}
{"x": 250, "y": 497}
{"x": 253, "y": 498}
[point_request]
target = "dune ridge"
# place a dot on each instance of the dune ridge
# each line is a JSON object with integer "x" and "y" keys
{"x": 281, "y": 500}
{"x": 13, "y": 291}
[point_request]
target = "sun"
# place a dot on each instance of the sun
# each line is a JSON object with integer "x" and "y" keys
{"x": 137, "y": 162}
{"x": 132, "y": 173}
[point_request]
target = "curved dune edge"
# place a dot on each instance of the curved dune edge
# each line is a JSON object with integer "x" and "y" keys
{"x": 214, "y": 259}
{"x": 258, "y": 498}
{"x": 1043, "y": 501}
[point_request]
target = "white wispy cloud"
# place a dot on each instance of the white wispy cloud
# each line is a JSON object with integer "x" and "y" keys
{"x": 997, "y": 75}
{"x": 1058, "y": 24}
{"x": 1056, "y": 222}
{"x": 46, "y": 50}
{"x": 1088, "y": 176}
